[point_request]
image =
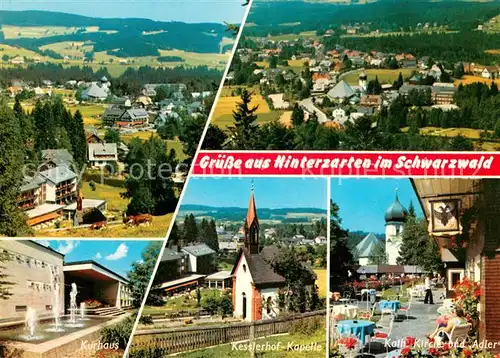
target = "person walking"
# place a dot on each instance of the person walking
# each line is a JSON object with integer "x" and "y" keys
{"x": 428, "y": 291}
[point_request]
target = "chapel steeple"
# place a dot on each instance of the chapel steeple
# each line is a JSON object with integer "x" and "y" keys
{"x": 252, "y": 226}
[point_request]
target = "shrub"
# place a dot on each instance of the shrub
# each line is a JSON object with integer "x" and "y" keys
{"x": 146, "y": 319}
{"x": 119, "y": 333}
{"x": 92, "y": 185}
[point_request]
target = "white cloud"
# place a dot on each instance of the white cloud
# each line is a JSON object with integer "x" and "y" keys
{"x": 67, "y": 246}
{"x": 43, "y": 242}
{"x": 120, "y": 253}
{"x": 141, "y": 261}
{"x": 98, "y": 256}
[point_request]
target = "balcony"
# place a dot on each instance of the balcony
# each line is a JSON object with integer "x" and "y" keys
{"x": 64, "y": 186}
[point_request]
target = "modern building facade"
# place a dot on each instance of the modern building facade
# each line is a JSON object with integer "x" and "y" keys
{"x": 32, "y": 271}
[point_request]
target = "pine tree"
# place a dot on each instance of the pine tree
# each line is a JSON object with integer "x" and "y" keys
{"x": 297, "y": 115}
{"x": 112, "y": 136}
{"x": 493, "y": 89}
{"x": 148, "y": 185}
{"x": 379, "y": 256}
{"x": 190, "y": 229}
{"x": 78, "y": 139}
{"x": 174, "y": 237}
{"x": 339, "y": 249}
{"x": 243, "y": 134}
{"x": 12, "y": 221}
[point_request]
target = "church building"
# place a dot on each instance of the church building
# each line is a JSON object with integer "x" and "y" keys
{"x": 395, "y": 217}
{"x": 255, "y": 283}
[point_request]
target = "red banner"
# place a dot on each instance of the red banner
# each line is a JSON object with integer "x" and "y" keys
{"x": 413, "y": 164}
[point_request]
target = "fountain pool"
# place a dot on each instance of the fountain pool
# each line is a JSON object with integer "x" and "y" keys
{"x": 45, "y": 329}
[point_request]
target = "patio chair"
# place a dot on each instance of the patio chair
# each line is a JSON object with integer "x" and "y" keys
{"x": 406, "y": 309}
{"x": 459, "y": 333}
{"x": 382, "y": 336}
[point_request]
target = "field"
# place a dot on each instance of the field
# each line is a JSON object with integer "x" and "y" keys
{"x": 171, "y": 144}
{"x": 106, "y": 192}
{"x": 289, "y": 37}
{"x": 384, "y": 75}
{"x": 91, "y": 113}
{"x": 69, "y": 48}
{"x": 228, "y": 91}
{"x": 158, "y": 230}
{"x": 471, "y": 79}
{"x": 286, "y": 118}
{"x": 12, "y": 51}
{"x": 223, "y": 114}
{"x": 321, "y": 281}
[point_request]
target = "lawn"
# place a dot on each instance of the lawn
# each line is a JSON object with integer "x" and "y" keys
{"x": 174, "y": 144}
{"x": 470, "y": 133}
{"x": 184, "y": 302}
{"x": 223, "y": 114}
{"x": 106, "y": 192}
{"x": 91, "y": 112}
{"x": 466, "y": 80}
{"x": 229, "y": 91}
{"x": 225, "y": 121}
{"x": 282, "y": 350}
{"x": 157, "y": 230}
{"x": 384, "y": 75}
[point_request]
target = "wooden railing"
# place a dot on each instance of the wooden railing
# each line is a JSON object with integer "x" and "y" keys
{"x": 175, "y": 340}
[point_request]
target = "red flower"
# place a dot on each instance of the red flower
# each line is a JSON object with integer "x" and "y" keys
{"x": 430, "y": 339}
{"x": 467, "y": 352}
{"x": 446, "y": 347}
{"x": 433, "y": 351}
{"x": 405, "y": 350}
{"x": 410, "y": 341}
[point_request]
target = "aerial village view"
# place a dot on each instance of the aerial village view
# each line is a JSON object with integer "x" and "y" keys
{"x": 358, "y": 75}
{"x": 241, "y": 272}
{"x": 102, "y": 117}
{"x": 71, "y": 298}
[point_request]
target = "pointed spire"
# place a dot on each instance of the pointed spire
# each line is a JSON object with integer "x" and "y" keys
{"x": 252, "y": 226}
{"x": 252, "y": 209}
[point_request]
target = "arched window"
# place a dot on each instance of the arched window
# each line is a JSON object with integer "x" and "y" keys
{"x": 244, "y": 268}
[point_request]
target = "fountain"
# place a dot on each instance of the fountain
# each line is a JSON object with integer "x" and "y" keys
{"x": 82, "y": 311}
{"x": 57, "y": 326}
{"x": 30, "y": 322}
{"x": 72, "y": 304}
{"x": 73, "y": 309}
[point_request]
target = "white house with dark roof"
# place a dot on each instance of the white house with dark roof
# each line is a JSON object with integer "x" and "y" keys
{"x": 341, "y": 92}
{"x": 134, "y": 117}
{"x": 102, "y": 154}
{"x": 200, "y": 258}
{"x": 366, "y": 248}
{"x": 95, "y": 92}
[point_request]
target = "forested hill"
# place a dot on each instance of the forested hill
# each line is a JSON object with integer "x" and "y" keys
{"x": 238, "y": 214}
{"x": 133, "y": 37}
{"x": 278, "y": 17}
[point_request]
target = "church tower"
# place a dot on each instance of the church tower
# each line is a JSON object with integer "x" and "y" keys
{"x": 395, "y": 217}
{"x": 363, "y": 81}
{"x": 252, "y": 227}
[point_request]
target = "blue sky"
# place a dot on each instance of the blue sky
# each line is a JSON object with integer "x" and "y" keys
{"x": 160, "y": 10}
{"x": 118, "y": 256}
{"x": 270, "y": 193}
{"x": 363, "y": 202}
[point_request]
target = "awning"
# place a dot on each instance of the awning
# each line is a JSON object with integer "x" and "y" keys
{"x": 43, "y": 218}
